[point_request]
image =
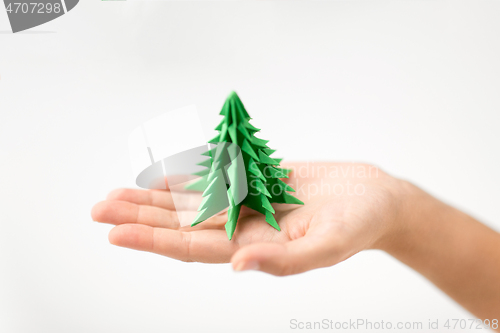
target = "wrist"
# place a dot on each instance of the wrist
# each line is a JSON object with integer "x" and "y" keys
{"x": 411, "y": 209}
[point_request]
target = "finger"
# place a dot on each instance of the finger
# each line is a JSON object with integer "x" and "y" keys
{"x": 210, "y": 246}
{"x": 121, "y": 212}
{"x": 158, "y": 198}
{"x": 297, "y": 256}
{"x": 177, "y": 182}
{"x": 215, "y": 222}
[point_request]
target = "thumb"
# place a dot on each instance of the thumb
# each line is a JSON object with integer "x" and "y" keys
{"x": 293, "y": 257}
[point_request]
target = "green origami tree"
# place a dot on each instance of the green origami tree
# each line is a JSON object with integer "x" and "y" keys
{"x": 224, "y": 186}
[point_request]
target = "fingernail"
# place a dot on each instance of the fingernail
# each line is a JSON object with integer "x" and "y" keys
{"x": 247, "y": 266}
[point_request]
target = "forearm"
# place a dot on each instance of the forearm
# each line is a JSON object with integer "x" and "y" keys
{"x": 458, "y": 254}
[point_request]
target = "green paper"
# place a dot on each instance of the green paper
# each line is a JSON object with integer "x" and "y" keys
{"x": 232, "y": 219}
{"x": 270, "y": 219}
{"x": 276, "y": 172}
{"x": 268, "y": 151}
{"x": 255, "y": 169}
{"x": 221, "y": 185}
{"x": 264, "y": 158}
{"x": 259, "y": 142}
{"x": 251, "y": 127}
{"x": 247, "y": 148}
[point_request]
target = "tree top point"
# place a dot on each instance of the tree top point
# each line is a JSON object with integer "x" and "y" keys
{"x": 232, "y": 95}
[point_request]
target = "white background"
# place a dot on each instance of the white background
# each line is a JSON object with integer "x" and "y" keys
{"x": 412, "y": 86}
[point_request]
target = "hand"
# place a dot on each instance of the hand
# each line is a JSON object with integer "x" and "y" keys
{"x": 348, "y": 208}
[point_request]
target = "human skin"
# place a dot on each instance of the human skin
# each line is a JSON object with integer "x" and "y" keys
{"x": 347, "y": 208}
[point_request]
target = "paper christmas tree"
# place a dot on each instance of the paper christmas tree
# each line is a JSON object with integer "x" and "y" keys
{"x": 260, "y": 174}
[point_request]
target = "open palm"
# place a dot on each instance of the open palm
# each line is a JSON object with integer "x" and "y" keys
{"x": 347, "y": 208}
